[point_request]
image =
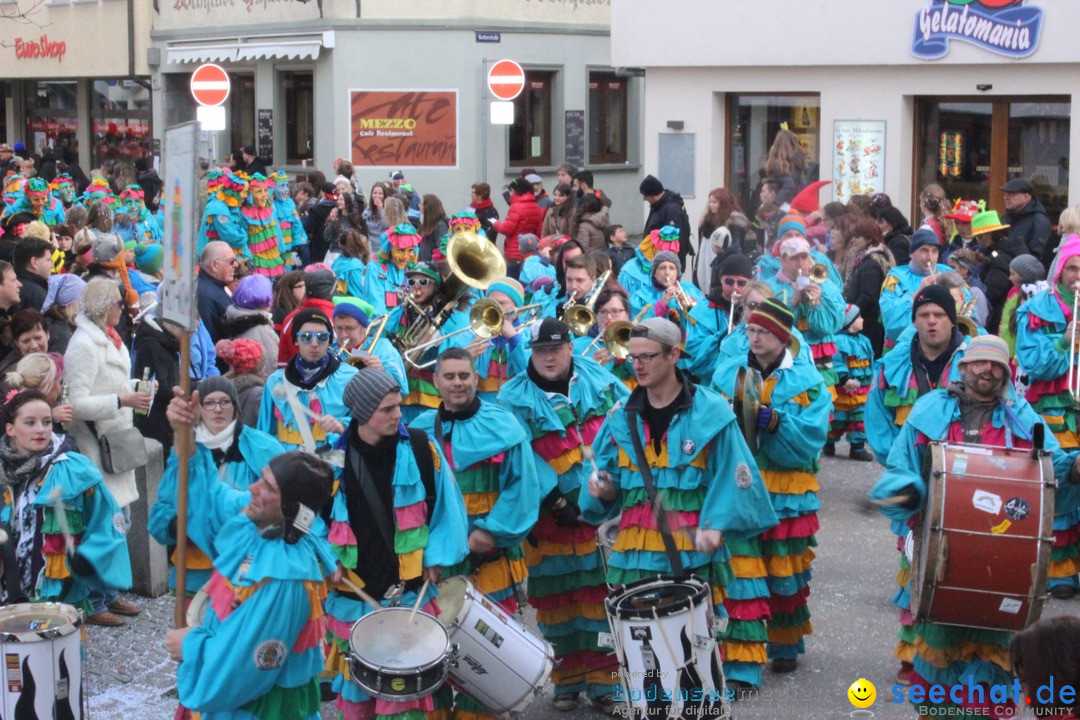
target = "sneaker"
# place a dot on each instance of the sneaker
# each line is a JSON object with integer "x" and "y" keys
{"x": 784, "y": 665}
{"x": 903, "y": 675}
{"x": 105, "y": 619}
{"x": 1063, "y": 592}
{"x": 830, "y": 449}
{"x": 565, "y": 703}
{"x": 861, "y": 454}
{"x": 124, "y": 607}
{"x": 606, "y": 704}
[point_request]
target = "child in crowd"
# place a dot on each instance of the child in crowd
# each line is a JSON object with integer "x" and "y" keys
{"x": 854, "y": 358}
{"x": 617, "y": 250}
{"x": 1045, "y": 658}
{"x": 537, "y": 260}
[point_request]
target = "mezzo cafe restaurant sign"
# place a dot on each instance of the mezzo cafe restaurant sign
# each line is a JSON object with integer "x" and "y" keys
{"x": 1006, "y": 27}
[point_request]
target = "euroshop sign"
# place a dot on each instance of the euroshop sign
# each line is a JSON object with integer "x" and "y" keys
{"x": 1006, "y": 27}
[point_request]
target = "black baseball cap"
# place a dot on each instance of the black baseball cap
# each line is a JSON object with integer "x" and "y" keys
{"x": 550, "y": 333}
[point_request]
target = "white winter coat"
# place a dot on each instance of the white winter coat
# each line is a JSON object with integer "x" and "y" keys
{"x": 97, "y": 373}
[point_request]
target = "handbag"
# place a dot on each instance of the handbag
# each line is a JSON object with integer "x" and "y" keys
{"x": 121, "y": 450}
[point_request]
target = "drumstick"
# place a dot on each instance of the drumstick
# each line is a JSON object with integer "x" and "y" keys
{"x": 279, "y": 392}
{"x": 61, "y": 517}
{"x": 363, "y": 595}
{"x": 419, "y": 601}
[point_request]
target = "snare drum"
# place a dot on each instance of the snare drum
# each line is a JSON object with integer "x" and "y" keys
{"x": 982, "y": 548}
{"x": 42, "y": 648}
{"x": 196, "y": 609}
{"x": 394, "y": 659}
{"x": 500, "y": 662}
{"x": 664, "y": 637}
{"x": 606, "y": 535}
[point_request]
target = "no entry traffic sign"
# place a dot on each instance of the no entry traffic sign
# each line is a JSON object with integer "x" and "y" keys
{"x": 210, "y": 85}
{"x": 506, "y": 79}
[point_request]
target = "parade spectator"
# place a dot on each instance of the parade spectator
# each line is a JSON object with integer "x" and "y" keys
{"x": 289, "y": 292}
{"x": 249, "y": 317}
{"x": 29, "y": 335}
{"x": 871, "y": 262}
{"x": 582, "y": 185}
{"x": 33, "y": 267}
{"x": 156, "y": 355}
{"x": 559, "y": 219}
{"x": 542, "y": 198}
{"x": 61, "y": 308}
{"x": 617, "y": 249}
{"x": 786, "y": 163}
{"x": 485, "y": 209}
{"x": 524, "y": 216}
{"x": 593, "y": 219}
{"x": 896, "y": 232}
{"x": 373, "y": 214}
{"x": 433, "y": 225}
{"x": 319, "y": 285}
{"x": 245, "y": 359}
{"x": 315, "y": 223}
{"x": 666, "y": 208}
{"x": 934, "y": 204}
{"x": 217, "y": 269}
{"x": 1025, "y": 216}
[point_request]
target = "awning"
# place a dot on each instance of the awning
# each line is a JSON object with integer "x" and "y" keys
{"x": 241, "y": 49}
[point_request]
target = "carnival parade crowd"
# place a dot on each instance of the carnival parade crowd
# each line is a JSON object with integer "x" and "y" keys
{"x": 387, "y": 396}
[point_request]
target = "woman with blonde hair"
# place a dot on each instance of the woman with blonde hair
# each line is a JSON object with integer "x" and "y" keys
{"x": 43, "y": 372}
{"x": 393, "y": 213}
{"x": 786, "y": 163}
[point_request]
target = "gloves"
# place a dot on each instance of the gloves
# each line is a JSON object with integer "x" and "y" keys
{"x": 910, "y": 495}
{"x": 768, "y": 419}
{"x": 566, "y": 513}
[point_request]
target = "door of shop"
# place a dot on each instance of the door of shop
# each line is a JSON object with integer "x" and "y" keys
{"x": 973, "y": 146}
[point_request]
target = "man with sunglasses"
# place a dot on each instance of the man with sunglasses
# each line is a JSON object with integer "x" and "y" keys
{"x": 700, "y": 465}
{"x": 561, "y": 400}
{"x": 791, "y": 424}
{"x": 302, "y": 403}
{"x": 711, "y": 319}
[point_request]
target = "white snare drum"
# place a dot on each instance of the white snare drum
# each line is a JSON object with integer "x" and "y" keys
{"x": 663, "y": 630}
{"x": 500, "y": 662}
{"x": 606, "y": 535}
{"x": 196, "y": 609}
{"x": 393, "y": 659}
{"x": 42, "y": 648}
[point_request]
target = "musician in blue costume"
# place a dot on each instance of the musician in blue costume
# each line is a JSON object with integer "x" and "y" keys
{"x": 707, "y": 482}
{"x": 560, "y": 401}
{"x": 37, "y": 199}
{"x": 41, "y": 475}
{"x": 288, "y": 219}
{"x": 233, "y": 452}
{"x": 398, "y": 503}
{"x": 495, "y": 469}
{"x": 983, "y": 408}
{"x": 553, "y": 297}
{"x": 351, "y": 322}
{"x": 660, "y": 292}
{"x": 384, "y": 281}
{"x": 636, "y": 272}
{"x": 612, "y": 305}
{"x": 505, "y": 355}
{"x": 769, "y": 264}
{"x": 222, "y": 219}
{"x": 256, "y": 654}
{"x": 901, "y": 283}
{"x": 792, "y": 424}
{"x": 706, "y": 333}
{"x": 301, "y": 403}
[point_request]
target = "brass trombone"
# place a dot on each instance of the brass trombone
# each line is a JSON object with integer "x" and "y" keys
{"x": 485, "y": 321}
{"x": 616, "y": 336}
{"x": 357, "y": 358}
{"x": 579, "y": 315}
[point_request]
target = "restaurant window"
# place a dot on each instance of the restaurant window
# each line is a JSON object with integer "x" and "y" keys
{"x": 973, "y": 147}
{"x": 241, "y": 104}
{"x": 607, "y": 118}
{"x": 52, "y": 117}
{"x": 119, "y": 121}
{"x": 299, "y": 91}
{"x": 753, "y": 122}
{"x": 531, "y": 134}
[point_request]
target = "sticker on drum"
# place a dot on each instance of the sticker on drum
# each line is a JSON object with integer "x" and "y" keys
{"x": 1017, "y": 508}
{"x": 959, "y": 466}
{"x": 986, "y": 501}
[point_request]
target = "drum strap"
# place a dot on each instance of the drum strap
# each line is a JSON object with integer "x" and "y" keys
{"x": 650, "y": 490}
{"x": 371, "y": 495}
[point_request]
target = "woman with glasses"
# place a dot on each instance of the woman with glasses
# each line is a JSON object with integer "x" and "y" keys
{"x": 302, "y": 404}
{"x": 612, "y": 305}
{"x": 103, "y": 399}
{"x": 225, "y": 450}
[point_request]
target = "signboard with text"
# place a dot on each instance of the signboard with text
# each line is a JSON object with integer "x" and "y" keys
{"x": 181, "y": 227}
{"x": 1006, "y": 27}
{"x": 404, "y": 128}
{"x": 858, "y": 158}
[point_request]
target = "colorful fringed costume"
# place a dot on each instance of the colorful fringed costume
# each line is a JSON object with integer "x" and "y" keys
{"x": 293, "y": 234}
{"x": 38, "y": 200}
{"x": 250, "y": 452}
{"x": 63, "y": 188}
{"x": 384, "y": 281}
{"x": 425, "y": 535}
{"x": 422, "y": 393}
{"x": 897, "y": 292}
{"x": 619, "y": 367}
{"x": 947, "y": 654}
{"x": 265, "y": 243}
{"x": 788, "y": 462}
{"x": 264, "y": 622}
{"x": 325, "y": 397}
{"x": 817, "y": 323}
{"x": 854, "y": 355}
{"x": 494, "y": 467}
{"x": 222, "y": 219}
{"x": 566, "y": 577}
{"x": 146, "y": 224}
{"x": 637, "y": 271}
{"x": 705, "y": 477}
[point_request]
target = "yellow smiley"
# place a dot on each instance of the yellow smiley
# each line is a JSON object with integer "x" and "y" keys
{"x": 862, "y": 693}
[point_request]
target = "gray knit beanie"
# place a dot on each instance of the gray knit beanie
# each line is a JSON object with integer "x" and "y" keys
{"x": 218, "y": 383}
{"x": 1028, "y": 268}
{"x": 666, "y": 256}
{"x": 366, "y": 390}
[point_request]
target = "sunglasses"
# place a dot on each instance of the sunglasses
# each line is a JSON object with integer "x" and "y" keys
{"x": 732, "y": 281}
{"x": 320, "y": 338}
{"x": 418, "y": 281}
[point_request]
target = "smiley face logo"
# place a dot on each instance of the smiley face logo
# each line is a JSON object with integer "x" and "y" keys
{"x": 862, "y": 693}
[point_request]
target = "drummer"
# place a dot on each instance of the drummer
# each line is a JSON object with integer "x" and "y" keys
{"x": 982, "y": 408}
{"x": 398, "y": 504}
{"x": 259, "y": 643}
{"x": 792, "y": 424}
{"x": 702, "y": 468}
{"x": 494, "y": 466}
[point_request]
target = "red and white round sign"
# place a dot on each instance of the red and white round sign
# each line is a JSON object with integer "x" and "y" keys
{"x": 506, "y": 79}
{"x": 210, "y": 85}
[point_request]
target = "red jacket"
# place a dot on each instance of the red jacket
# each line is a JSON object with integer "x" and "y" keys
{"x": 287, "y": 348}
{"x": 524, "y": 216}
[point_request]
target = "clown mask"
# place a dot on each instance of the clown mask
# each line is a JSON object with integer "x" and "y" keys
{"x": 37, "y": 204}
{"x": 67, "y": 193}
{"x": 260, "y": 196}
{"x": 402, "y": 257}
{"x": 281, "y": 190}
{"x": 133, "y": 206}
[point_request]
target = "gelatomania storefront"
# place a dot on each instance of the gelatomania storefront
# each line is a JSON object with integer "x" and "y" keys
{"x": 884, "y": 96}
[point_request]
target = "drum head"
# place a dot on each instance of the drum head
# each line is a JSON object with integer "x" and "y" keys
{"x": 453, "y": 596}
{"x": 608, "y": 533}
{"x": 32, "y": 622}
{"x": 386, "y": 639}
{"x": 658, "y": 598}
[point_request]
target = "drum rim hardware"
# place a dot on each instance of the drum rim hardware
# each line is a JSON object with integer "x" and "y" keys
{"x": 441, "y": 664}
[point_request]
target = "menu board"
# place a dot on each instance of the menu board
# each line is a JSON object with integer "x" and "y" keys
{"x": 858, "y": 158}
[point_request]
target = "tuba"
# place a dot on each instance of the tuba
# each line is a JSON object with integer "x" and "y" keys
{"x": 967, "y": 326}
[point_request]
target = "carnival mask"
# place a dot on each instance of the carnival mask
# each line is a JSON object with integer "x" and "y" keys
{"x": 67, "y": 193}
{"x": 133, "y": 206}
{"x": 37, "y": 204}
{"x": 260, "y": 196}
{"x": 401, "y": 257}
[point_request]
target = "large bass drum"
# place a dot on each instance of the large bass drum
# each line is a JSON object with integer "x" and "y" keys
{"x": 982, "y": 548}
{"x": 42, "y": 648}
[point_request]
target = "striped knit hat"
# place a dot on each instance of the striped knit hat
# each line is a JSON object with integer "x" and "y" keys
{"x": 775, "y": 317}
{"x": 510, "y": 287}
{"x": 851, "y": 313}
{"x": 366, "y": 391}
{"x": 791, "y": 222}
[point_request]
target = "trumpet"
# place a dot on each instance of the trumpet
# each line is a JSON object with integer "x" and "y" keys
{"x": 579, "y": 315}
{"x": 819, "y": 273}
{"x": 967, "y": 326}
{"x": 684, "y": 301}
{"x": 616, "y": 336}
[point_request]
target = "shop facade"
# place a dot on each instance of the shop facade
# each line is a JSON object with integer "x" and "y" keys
{"x": 402, "y": 86}
{"x": 887, "y": 97}
{"x": 75, "y": 79}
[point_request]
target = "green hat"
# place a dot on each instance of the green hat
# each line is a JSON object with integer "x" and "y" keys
{"x": 148, "y": 258}
{"x": 985, "y": 222}
{"x": 426, "y": 269}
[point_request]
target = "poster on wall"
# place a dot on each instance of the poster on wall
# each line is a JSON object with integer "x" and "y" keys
{"x": 404, "y": 128}
{"x": 859, "y": 158}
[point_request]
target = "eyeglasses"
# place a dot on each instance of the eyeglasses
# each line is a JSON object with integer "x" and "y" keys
{"x": 752, "y": 305}
{"x": 419, "y": 281}
{"x": 224, "y": 404}
{"x": 731, "y": 281}
{"x": 320, "y": 338}
{"x": 756, "y": 331}
{"x": 643, "y": 358}
{"x": 611, "y": 313}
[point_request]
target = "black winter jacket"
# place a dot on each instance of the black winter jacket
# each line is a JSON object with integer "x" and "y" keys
{"x": 670, "y": 210}
{"x": 1030, "y": 226}
{"x": 160, "y": 352}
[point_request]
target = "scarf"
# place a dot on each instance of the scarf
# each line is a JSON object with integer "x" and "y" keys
{"x": 306, "y": 376}
{"x": 18, "y": 474}
{"x": 219, "y": 441}
{"x": 309, "y": 370}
